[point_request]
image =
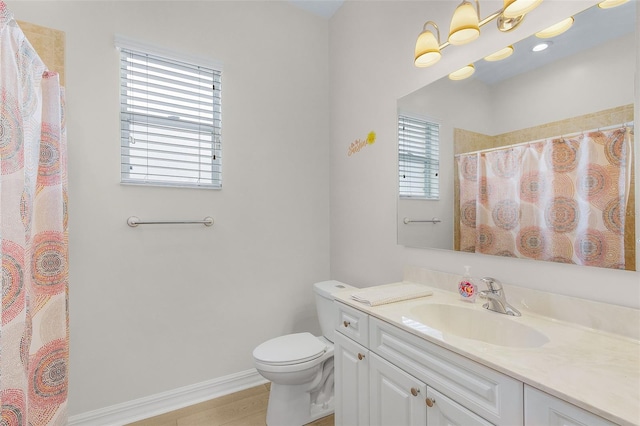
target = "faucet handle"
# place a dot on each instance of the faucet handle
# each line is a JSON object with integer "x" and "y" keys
{"x": 493, "y": 284}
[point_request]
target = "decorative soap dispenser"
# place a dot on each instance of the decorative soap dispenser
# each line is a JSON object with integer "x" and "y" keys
{"x": 467, "y": 288}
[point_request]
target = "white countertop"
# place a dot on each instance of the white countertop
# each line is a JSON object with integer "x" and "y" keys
{"x": 592, "y": 369}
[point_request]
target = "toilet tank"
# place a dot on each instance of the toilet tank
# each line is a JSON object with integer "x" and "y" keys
{"x": 327, "y": 311}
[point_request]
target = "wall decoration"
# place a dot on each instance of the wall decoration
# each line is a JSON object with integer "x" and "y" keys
{"x": 358, "y": 144}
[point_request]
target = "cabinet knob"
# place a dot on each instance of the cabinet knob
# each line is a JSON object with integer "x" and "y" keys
{"x": 415, "y": 391}
{"x": 346, "y": 323}
{"x": 430, "y": 402}
{"x": 360, "y": 356}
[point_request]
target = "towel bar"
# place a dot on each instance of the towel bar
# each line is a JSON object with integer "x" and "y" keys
{"x": 134, "y": 221}
{"x": 408, "y": 221}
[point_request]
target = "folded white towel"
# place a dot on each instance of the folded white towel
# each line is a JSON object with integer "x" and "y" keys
{"x": 389, "y": 294}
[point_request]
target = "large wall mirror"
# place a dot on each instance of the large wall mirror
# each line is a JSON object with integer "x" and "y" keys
{"x": 535, "y": 151}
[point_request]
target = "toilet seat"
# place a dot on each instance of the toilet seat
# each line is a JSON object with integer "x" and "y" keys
{"x": 290, "y": 349}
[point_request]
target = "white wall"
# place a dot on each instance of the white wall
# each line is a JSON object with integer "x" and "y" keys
{"x": 160, "y": 307}
{"x": 371, "y": 45}
{"x": 588, "y": 82}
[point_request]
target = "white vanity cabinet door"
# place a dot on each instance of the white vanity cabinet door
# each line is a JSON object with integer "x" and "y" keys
{"x": 542, "y": 409}
{"x": 351, "y": 364}
{"x": 397, "y": 398}
{"x": 442, "y": 411}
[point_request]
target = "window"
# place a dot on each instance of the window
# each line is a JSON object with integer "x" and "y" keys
{"x": 170, "y": 120}
{"x": 418, "y": 159}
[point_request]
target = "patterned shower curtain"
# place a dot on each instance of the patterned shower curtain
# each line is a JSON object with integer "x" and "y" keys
{"x": 33, "y": 234}
{"x": 560, "y": 200}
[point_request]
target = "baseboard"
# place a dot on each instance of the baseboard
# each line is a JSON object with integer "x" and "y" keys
{"x": 154, "y": 405}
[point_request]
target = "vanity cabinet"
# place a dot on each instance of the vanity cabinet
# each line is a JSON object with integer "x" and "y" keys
{"x": 390, "y": 376}
{"x": 444, "y": 411}
{"x": 489, "y": 394}
{"x": 542, "y": 409}
{"x": 353, "y": 323}
{"x": 396, "y": 398}
{"x": 351, "y": 366}
{"x": 395, "y": 366}
{"x": 351, "y": 374}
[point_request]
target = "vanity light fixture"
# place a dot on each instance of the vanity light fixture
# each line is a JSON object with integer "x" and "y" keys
{"x": 500, "y": 54}
{"x": 608, "y": 4}
{"x": 541, "y": 46}
{"x": 556, "y": 29}
{"x": 428, "y": 47}
{"x": 465, "y": 24}
{"x": 508, "y": 24}
{"x": 465, "y": 27}
{"x": 514, "y": 8}
{"x": 464, "y": 72}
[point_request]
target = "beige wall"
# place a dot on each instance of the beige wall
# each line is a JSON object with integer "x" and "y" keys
{"x": 467, "y": 141}
{"x": 155, "y": 308}
{"x": 50, "y": 45}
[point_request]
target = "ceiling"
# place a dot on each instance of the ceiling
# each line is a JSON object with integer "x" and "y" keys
{"x": 324, "y": 8}
{"x": 592, "y": 27}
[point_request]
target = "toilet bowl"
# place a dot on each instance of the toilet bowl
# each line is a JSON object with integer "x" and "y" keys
{"x": 300, "y": 367}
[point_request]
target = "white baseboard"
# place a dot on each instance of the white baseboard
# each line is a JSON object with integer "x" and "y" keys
{"x": 154, "y": 405}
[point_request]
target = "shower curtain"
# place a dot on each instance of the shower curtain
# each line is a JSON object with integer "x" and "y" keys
{"x": 33, "y": 234}
{"x": 560, "y": 200}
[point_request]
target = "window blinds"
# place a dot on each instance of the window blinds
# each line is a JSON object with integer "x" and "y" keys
{"x": 170, "y": 122}
{"x": 418, "y": 157}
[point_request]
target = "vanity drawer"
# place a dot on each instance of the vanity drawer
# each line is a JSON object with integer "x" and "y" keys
{"x": 486, "y": 392}
{"x": 353, "y": 323}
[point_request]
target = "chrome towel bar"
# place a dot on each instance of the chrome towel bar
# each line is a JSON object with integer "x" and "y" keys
{"x": 134, "y": 221}
{"x": 433, "y": 220}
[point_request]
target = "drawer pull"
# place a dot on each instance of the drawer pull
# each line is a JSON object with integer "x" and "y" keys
{"x": 346, "y": 323}
{"x": 430, "y": 402}
{"x": 415, "y": 391}
{"x": 360, "y": 356}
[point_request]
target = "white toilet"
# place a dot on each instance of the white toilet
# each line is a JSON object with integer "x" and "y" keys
{"x": 300, "y": 366}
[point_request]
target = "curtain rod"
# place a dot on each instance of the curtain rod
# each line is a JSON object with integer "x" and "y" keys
{"x": 629, "y": 124}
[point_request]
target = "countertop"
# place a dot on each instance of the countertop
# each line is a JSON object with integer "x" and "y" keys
{"x": 592, "y": 369}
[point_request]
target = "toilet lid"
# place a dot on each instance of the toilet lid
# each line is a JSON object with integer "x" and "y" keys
{"x": 290, "y": 349}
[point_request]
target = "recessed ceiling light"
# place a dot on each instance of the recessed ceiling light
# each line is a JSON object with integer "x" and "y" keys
{"x": 541, "y": 46}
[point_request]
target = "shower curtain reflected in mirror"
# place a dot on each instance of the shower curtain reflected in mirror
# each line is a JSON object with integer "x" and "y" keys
{"x": 561, "y": 200}
{"x": 33, "y": 233}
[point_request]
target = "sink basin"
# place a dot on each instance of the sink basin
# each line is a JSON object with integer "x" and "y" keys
{"x": 440, "y": 320}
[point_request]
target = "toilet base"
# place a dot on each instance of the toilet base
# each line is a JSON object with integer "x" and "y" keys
{"x": 291, "y": 406}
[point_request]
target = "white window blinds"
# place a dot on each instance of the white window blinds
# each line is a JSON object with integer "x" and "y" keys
{"x": 418, "y": 158}
{"x": 170, "y": 122}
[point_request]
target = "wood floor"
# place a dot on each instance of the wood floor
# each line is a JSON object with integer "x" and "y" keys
{"x": 244, "y": 408}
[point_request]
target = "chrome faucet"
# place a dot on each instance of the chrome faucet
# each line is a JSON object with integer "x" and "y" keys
{"x": 496, "y": 300}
